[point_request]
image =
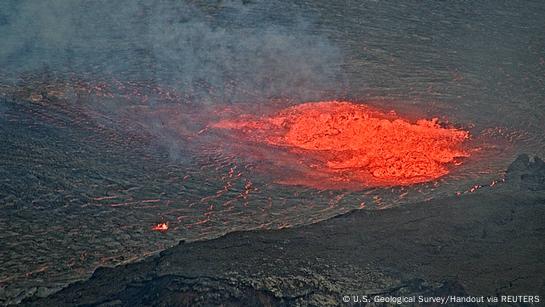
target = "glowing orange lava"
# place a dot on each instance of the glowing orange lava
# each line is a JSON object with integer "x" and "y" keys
{"x": 160, "y": 227}
{"x": 358, "y": 142}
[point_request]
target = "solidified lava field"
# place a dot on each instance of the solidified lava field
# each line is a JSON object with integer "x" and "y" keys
{"x": 97, "y": 177}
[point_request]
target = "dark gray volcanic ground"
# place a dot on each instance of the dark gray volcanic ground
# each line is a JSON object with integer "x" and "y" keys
{"x": 488, "y": 243}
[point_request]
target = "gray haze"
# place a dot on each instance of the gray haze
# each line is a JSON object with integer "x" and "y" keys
{"x": 217, "y": 51}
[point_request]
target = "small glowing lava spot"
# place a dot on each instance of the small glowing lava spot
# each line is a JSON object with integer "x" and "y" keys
{"x": 352, "y": 142}
{"x": 160, "y": 227}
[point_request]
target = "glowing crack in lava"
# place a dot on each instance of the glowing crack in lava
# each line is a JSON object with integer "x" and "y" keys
{"x": 354, "y": 142}
{"x": 160, "y": 227}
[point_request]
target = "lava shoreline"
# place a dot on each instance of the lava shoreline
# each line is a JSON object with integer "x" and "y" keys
{"x": 485, "y": 243}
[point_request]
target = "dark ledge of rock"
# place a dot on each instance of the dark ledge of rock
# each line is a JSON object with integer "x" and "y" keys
{"x": 527, "y": 174}
{"x": 480, "y": 244}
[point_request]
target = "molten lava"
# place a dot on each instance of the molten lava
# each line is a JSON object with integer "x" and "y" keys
{"x": 357, "y": 142}
{"x": 160, "y": 227}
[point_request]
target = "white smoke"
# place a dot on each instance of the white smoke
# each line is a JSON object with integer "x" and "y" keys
{"x": 226, "y": 51}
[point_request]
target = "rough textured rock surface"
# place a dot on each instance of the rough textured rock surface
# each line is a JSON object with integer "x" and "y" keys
{"x": 487, "y": 243}
{"x": 527, "y": 174}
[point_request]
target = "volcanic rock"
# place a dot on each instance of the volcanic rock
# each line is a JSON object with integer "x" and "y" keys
{"x": 486, "y": 243}
{"x": 527, "y": 174}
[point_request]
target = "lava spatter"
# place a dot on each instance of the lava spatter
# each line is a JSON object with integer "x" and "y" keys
{"x": 356, "y": 142}
{"x": 160, "y": 227}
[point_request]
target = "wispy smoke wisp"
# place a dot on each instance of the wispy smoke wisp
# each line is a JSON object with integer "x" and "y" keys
{"x": 220, "y": 52}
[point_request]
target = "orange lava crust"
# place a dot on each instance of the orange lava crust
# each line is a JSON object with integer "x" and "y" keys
{"x": 364, "y": 144}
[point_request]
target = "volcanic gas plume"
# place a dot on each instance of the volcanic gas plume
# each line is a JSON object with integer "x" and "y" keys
{"x": 356, "y": 143}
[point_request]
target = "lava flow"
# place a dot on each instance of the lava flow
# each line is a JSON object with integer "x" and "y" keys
{"x": 354, "y": 142}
